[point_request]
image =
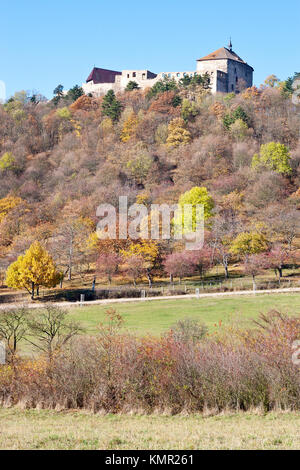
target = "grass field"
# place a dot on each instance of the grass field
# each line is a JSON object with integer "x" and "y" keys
{"x": 33, "y": 429}
{"x": 155, "y": 317}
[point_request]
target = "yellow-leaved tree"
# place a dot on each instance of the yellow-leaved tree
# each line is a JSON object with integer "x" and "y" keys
{"x": 129, "y": 127}
{"x": 7, "y": 204}
{"x": 147, "y": 251}
{"x": 177, "y": 133}
{"x": 34, "y": 269}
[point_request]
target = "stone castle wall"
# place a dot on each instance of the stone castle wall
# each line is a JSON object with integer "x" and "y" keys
{"x": 227, "y": 76}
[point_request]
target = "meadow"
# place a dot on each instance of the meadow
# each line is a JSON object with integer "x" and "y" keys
{"x": 155, "y": 317}
{"x": 33, "y": 429}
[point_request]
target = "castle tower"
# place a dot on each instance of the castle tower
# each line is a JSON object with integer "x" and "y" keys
{"x": 229, "y": 73}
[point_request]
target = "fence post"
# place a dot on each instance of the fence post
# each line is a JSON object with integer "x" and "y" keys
{"x": 82, "y": 297}
{"x": 197, "y": 292}
{"x": 143, "y": 294}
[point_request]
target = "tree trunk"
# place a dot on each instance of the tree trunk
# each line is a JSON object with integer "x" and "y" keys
{"x": 149, "y": 279}
{"x": 38, "y": 291}
{"x": 32, "y": 291}
{"x": 226, "y": 271}
{"x": 254, "y": 283}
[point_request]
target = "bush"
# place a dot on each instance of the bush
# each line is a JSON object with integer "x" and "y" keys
{"x": 178, "y": 372}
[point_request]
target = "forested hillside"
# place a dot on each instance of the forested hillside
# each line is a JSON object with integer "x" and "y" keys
{"x": 60, "y": 159}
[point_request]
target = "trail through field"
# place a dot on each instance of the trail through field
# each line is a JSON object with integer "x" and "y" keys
{"x": 147, "y": 299}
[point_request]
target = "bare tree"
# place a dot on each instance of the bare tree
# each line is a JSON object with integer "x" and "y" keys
{"x": 50, "y": 329}
{"x": 13, "y": 328}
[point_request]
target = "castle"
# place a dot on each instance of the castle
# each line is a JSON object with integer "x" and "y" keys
{"x": 227, "y": 70}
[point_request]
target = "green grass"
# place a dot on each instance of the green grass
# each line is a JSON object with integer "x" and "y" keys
{"x": 156, "y": 316}
{"x": 32, "y": 429}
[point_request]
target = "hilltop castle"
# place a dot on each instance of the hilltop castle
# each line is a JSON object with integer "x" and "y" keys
{"x": 227, "y": 70}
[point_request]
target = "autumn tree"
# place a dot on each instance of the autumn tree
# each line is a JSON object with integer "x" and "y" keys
{"x": 249, "y": 243}
{"x": 107, "y": 264}
{"x": 177, "y": 133}
{"x": 7, "y": 204}
{"x": 34, "y": 269}
{"x": 254, "y": 265}
{"x": 134, "y": 267}
{"x": 274, "y": 156}
{"x": 129, "y": 127}
{"x": 277, "y": 258}
{"x": 148, "y": 251}
{"x": 180, "y": 264}
{"x": 197, "y": 196}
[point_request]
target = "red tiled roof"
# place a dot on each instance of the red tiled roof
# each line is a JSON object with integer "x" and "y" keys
{"x": 102, "y": 75}
{"x": 223, "y": 53}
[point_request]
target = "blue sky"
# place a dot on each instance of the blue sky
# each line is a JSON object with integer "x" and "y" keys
{"x": 48, "y": 42}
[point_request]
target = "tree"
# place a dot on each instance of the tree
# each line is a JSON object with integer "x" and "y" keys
{"x": 58, "y": 94}
{"x": 108, "y": 263}
{"x": 274, "y": 156}
{"x": 129, "y": 127}
{"x": 177, "y": 133}
{"x": 196, "y": 80}
{"x": 70, "y": 245}
{"x": 111, "y": 107}
{"x": 75, "y": 93}
{"x": 271, "y": 81}
{"x": 202, "y": 259}
{"x": 7, "y": 204}
{"x": 166, "y": 103}
{"x": 196, "y": 196}
{"x": 277, "y": 258}
{"x": 189, "y": 110}
{"x": 134, "y": 267}
{"x": 132, "y": 86}
{"x": 13, "y": 328}
{"x": 180, "y": 264}
{"x": 253, "y": 265}
{"x": 161, "y": 86}
{"x": 249, "y": 243}
{"x": 238, "y": 113}
{"x": 189, "y": 330}
{"x": 34, "y": 269}
{"x": 148, "y": 251}
{"x": 7, "y": 162}
{"x": 50, "y": 330}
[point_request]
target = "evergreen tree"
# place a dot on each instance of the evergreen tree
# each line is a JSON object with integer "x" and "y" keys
{"x": 111, "y": 107}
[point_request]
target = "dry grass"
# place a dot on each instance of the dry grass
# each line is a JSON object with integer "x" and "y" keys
{"x": 33, "y": 429}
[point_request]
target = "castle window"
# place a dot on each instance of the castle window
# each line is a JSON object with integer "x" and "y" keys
{"x": 236, "y": 79}
{"x": 232, "y": 87}
{"x": 128, "y": 75}
{"x": 178, "y": 74}
{"x": 144, "y": 76}
{"x": 134, "y": 74}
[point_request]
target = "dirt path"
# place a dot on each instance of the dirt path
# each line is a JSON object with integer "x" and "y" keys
{"x": 147, "y": 299}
